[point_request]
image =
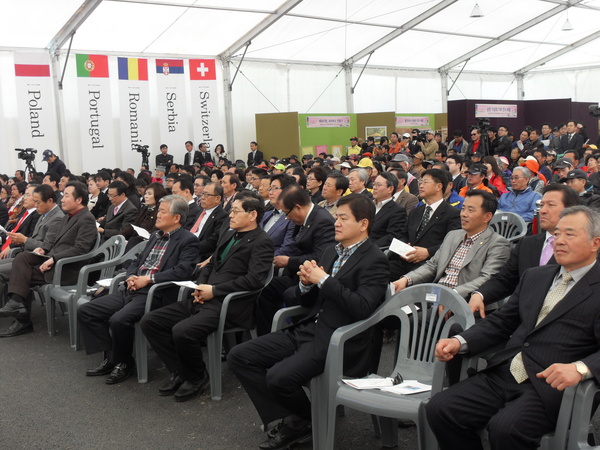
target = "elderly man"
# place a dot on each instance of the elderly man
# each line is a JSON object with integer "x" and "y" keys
{"x": 184, "y": 187}
{"x": 76, "y": 236}
{"x": 241, "y": 262}
{"x": 550, "y": 338}
{"x": 333, "y": 189}
{"x": 107, "y": 323}
{"x": 521, "y": 200}
{"x": 358, "y": 179}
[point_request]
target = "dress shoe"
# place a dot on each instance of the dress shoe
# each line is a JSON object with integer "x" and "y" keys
{"x": 192, "y": 389}
{"x": 287, "y": 436}
{"x": 171, "y": 386}
{"x": 121, "y": 372}
{"x": 12, "y": 309}
{"x": 105, "y": 368}
{"x": 17, "y": 328}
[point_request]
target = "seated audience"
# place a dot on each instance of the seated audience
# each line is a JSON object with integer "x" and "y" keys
{"x": 390, "y": 217}
{"x": 521, "y": 200}
{"x": 333, "y": 189}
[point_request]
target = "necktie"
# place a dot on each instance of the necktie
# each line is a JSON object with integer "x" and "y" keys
{"x": 547, "y": 252}
{"x": 198, "y": 222}
{"x": 517, "y": 368}
{"x": 424, "y": 221}
{"x": 569, "y": 137}
{"x": 115, "y": 210}
{"x": 15, "y": 229}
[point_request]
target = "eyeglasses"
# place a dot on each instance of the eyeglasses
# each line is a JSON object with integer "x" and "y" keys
{"x": 517, "y": 178}
{"x": 273, "y": 188}
{"x": 206, "y": 194}
{"x": 310, "y": 179}
{"x": 473, "y": 134}
{"x": 421, "y": 181}
{"x": 235, "y": 212}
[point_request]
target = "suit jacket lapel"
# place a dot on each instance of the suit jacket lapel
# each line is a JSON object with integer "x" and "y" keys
{"x": 248, "y": 237}
{"x": 435, "y": 218}
{"x": 354, "y": 259}
{"x": 69, "y": 222}
{"x": 478, "y": 245}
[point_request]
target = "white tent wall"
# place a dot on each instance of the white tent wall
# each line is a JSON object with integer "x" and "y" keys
{"x": 578, "y": 85}
{"x": 9, "y": 135}
{"x": 482, "y": 86}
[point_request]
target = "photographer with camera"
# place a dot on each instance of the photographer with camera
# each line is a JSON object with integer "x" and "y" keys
{"x": 415, "y": 138}
{"x": 429, "y": 146}
{"x": 54, "y": 163}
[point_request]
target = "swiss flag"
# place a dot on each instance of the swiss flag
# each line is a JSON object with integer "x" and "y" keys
{"x": 202, "y": 69}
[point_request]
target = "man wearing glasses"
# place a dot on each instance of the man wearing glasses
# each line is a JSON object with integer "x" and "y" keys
{"x": 241, "y": 262}
{"x": 476, "y": 144}
{"x": 521, "y": 200}
{"x": 211, "y": 219}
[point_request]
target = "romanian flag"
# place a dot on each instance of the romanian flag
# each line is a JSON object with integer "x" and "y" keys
{"x": 169, "y": 66}
{"x": 133, "y": 69}
{"x": 94, "y": 66}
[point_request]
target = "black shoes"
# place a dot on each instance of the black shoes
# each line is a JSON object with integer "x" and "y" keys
{"x": 192, "y": 389}
{"x": 17, "y": 328}
{"x": 171, "y": 386}
{"x": 12, "y": 309}
{"x": 286, "y": 436}
{"x": 104, "y": 368}
{"x": 121, "y": 372}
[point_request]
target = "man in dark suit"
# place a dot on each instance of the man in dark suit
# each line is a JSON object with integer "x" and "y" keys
{"x": 241, "y": 262}
{"x": 76, "y": 235}
{"x": 209, "y": 223}
{"x": 551, "y": 338}
{"x": 204, "y": 156}
{"x": 426, "y": 236}
{"x": 25, "y": 222}
{"x": 352, "y": 283}
{"x": 313, "y": 233}
{"x": 107, "y": 323}
{"x": 572, "y": 140}
{"x": 255, "y": 157}
{"x": 121, "y": 213}
{"x": 50, "y": 216}
{"x": 390, "y": 217}
{"x": 191, "y": 156}
{"x": 530, "y": 251}
{"x": 163, "y": 158}
{"x": 184, "y": 187}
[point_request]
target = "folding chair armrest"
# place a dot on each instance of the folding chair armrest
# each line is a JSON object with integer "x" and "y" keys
{"x": 151, "y": 292}
{"x": 280, "y": 317}
{"x": 227, "y": 300}
{"x": 582, "y": 412}
{"x": 115, "y": 282}
{"x": 58, "y": 266}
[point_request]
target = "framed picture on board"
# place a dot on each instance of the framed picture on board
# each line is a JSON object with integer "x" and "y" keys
{"x": 376, "y": 132}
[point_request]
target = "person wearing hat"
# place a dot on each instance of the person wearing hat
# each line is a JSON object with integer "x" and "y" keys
{"x": 159, "y": 175}
{"x": 54, "y": 163}
{"x": 537, "y": 181}
{"x": 278, "y": 168}
{"x": 430, "y": 146}
{"x": 406, "y": 164}
{"x": 418, "y": 163}
{"x": 367, "y": 164}
{"x": 476, "y": 174}
{"x": 522, "y": 199}
{"x": 577, "y": 180}
{"x": 354, "y": 148}
{"x": 344, "y": 167}
{"x": 561, "y": 169}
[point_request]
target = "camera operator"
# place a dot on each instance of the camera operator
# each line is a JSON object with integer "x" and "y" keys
{"x": 54, "y": 163}
{"x": 415, "y": 138}
{"x": 429, "y": 146}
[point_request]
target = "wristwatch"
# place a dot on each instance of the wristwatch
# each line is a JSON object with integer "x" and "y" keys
{"x": 582, "y": 369}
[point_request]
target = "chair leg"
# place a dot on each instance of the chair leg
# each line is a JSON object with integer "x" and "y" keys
{"x": 72, "y": 311}
{"x": 50, "y": 311}
{"x": 141, "y": 354}
{"x": 213, "y": 344}
{"x": 389, "y": 431}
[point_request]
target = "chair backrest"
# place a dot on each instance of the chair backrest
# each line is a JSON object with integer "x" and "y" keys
{"x": 421, "y": 326}
{"x": 508, "y": 224}
{"x": 111, "y": 249}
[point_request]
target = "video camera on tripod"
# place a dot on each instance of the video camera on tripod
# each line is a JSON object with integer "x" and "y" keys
{"x": 27, "y": 155}
{"x": 143, "y": 150}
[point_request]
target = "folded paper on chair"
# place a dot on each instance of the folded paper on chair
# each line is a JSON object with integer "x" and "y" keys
{"x": 187, "y": 284}
{"x": 142, "y": 232}
{"x": 387, "y": 385}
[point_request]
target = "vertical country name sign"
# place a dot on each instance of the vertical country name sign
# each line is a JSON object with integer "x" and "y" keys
{"x": 205, "y": 106}
{"x": 172, "y": 108}
{"x": 38, "y": 127}
{"x": 134, "y": 108}
{"x": 95, "y": 112}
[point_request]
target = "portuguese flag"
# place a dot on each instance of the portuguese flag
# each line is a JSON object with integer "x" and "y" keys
{"x": 94, "y": 66}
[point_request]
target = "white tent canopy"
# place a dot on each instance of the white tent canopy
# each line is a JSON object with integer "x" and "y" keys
{"x": 307, "y": 55}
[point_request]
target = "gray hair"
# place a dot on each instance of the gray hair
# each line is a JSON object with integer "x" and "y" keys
{"x": 362, "y": 174}
{"x": 526, "y": 172}
{"x": 177, "y": 205}
{"x": 593, "y": 219}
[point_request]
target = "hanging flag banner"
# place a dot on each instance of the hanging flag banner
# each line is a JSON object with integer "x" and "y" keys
{"x": 38, "y": 127}
{"x": 172, "y": 108}
{"x": 206, "y": 121}
{"x": 134, "y": 109}
{"x": 95, "y": 112}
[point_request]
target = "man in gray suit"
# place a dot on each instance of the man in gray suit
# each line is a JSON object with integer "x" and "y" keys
{"x": 467, "y": 257}
{"x": 76, "y": 236}
{"x": 44, "y": 232}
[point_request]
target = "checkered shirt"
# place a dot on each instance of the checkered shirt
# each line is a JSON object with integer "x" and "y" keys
{"x": 154, "y": 258}
{"x": 450, "y": 279}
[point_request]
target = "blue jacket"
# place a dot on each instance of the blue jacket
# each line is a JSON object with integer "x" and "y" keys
{"x": 520, "y": 202}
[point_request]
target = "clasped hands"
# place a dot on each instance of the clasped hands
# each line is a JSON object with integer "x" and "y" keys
{"x": 203, "y": 293}
{"x": 46, "y": 265}
{"x": 310, "y": 273}
{"x": 135, "y": 283}
{"x": 559, "y": 376}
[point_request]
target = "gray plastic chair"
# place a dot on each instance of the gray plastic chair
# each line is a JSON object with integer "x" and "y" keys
{"x": 108, "y": 267}
{"x": 508, "y": 224}
{"x": 113, "y": 248}
{"x": 577, "y": 419}
{"x": 415, "y": 361}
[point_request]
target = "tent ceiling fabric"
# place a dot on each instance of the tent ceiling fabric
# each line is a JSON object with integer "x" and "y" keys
{"x": 325, "y": 32}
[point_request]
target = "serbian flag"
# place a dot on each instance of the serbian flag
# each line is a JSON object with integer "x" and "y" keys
{"x": 92, "y": 66}
{"x": 133, "y": 69}
{"x": 202, "y": 69}
{"x": 168, "y": 66}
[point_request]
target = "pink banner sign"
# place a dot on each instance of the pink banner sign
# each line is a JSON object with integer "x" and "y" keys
{"x": 412, "y": 122}
{"x": 327, "y": 121}
{"x": 491, "y": 110}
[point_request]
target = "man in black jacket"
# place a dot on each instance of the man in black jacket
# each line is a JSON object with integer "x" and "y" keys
{"x": 241, "y": 262}
{"x": 54, "y": 163}
{"x": 349, "y": 287}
